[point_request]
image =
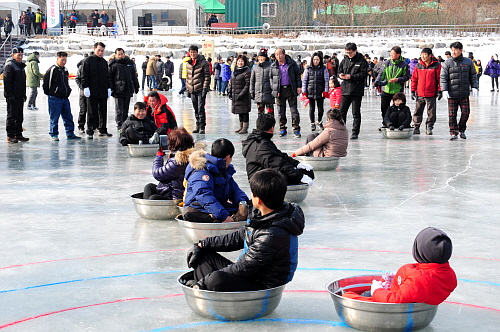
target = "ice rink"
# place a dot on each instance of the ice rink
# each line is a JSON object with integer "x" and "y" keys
{"x": 75, "y": 256}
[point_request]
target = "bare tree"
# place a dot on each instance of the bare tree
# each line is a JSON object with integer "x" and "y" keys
{"x": 120, "y": 12}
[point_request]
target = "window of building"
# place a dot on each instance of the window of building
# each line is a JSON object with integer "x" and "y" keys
{"x": 268, "y": 9}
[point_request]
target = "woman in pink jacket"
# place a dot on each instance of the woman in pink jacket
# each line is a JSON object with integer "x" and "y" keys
{"x": 332, "y": 142}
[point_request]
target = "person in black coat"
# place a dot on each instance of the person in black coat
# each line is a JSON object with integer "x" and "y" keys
{"x": 138, "y": 127}
{"x": 14, "y": 81}
{"x": 398, "y": 115}
{"x": 261, "y": 153}
{"x": 95, "y": 20}
{"x": 270, "y": 243}
{"x": 123, "y": 83}
{"x": 96, "y": 87}
{"x": 239, "y": 93}
{"x": 168, "y": 68}
{"x": 353, "y": 71}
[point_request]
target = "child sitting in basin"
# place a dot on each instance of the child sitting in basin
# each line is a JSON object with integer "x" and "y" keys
{"x": 269, "y": 241}
{"x": 212, "y": 195}
{"x": 171, "y": 174}
{"x": 431, "y": 280}
{"x": 398, "y": 115}
{"x": 260, "y": 153}
{"x": 331, "y": 142}
{"x": 138, "y": 127}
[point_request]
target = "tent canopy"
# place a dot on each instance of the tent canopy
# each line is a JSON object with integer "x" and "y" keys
{"x": 212, "y": 6}
{"x": 17, "y": 4}
{"x": 344, "y": 10}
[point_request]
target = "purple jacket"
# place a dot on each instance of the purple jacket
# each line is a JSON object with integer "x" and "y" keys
{"x": 171, "y": 174}
{"x": 494, "y": 68}
{"x": 413, "y": 64}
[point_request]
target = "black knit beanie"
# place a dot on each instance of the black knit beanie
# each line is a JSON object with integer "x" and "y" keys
{"x": 432, "y": 245}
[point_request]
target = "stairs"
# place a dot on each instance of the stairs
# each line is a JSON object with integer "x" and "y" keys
{"x": 6, "y": 50}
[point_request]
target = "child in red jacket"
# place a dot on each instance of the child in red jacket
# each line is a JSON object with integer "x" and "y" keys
{"x": 335, "y": 93}
{"x": 431, "y": 280}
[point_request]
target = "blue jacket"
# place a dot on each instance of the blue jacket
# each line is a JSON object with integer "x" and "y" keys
{"x": 171, "y": 174}
{"x": 210, "y": 185}
{"x": 226, "y": 72}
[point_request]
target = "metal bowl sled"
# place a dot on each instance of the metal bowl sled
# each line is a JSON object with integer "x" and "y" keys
{"x": 155, "y": 209}
{"x": 373, "y": 316}
{"x": 142, "y": 150}
{"x": 228, "y": 306}
{"x": 196, "y": 231}
{"x": 296, "y": 193}
{"x": 320, "y": 163}
{"x": 397, "y": 134}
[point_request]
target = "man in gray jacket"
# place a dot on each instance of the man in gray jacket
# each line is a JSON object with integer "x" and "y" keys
{"x": 458, "y": 75}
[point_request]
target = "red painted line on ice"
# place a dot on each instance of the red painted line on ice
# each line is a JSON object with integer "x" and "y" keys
{"x": 82, "y": 307}
{"x": 472, "y": 305}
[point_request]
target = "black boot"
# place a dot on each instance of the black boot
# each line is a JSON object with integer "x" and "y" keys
{"x": 202, "y": 129}
{"x": 197, "y": 130}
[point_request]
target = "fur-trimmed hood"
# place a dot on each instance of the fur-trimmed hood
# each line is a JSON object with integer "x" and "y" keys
{"x": 182, "y": 157}
{"x": 200, "y": 160}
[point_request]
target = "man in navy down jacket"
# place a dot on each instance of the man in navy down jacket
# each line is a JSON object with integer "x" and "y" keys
{"x": 212, "y": 195}
{"x": 270, "y": 243}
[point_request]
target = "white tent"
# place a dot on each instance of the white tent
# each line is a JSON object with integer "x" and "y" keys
{"x": 15, "y": 8}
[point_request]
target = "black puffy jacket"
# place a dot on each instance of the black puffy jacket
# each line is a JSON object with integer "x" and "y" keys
{"x": 146, "y": 127}
{"x": 357, "y": 67}
{"x": 14, "y": 79}
{"x": 95, "y": 76}
{"x": 271, "y": 246}
{"x": 458, "y": 75}
{"x": 315, "y": 81}
{"x": 123, "y": 81}
{"x": 261, "y": 153}
{"x": 240, "y": 88}
{"x": 55, "y": 82}
{"x": 260, "y": 83}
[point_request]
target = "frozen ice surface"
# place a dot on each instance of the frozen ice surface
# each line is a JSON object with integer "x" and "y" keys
{"x": 75, "y": 256}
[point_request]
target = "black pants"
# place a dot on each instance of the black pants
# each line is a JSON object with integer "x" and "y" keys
{"x": 97, "y": 114}
{"x": 82, "y": 115}
{"x": 321, "y": 108}
{"x": 493, "y": 81}
{"x": 356, "y": 111}
{"x": 199, "y": 108}
{"x": 397, "y": 119}
{"x": 143, "y": 79}
{"x": 311, "y": 138}
{"x": 151, "y": 193}
{"x": 244, "y": 117}
{"x": 15, "y": 117}
{"x": 207, "y": 267}
{"x": 121, "y": 109}
{"x": 133, "y": 136}
{"x": 385, "y": 103}
{"x": 286, "y": 94}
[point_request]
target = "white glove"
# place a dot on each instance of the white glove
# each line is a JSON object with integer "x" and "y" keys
{"x": 307, "y": 180}
{"x": 375, "y": 285}
{"x": 307, "y": 167}
{"x": 475, "y": 92}
{"x": 446, "y": 95}
{"x": 109, "y": 92}
{"x": 86, "y": 92}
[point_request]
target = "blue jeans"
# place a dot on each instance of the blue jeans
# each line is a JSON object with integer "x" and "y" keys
{"x": 60, "y": 107}
{"x": 152, "y": 82}
{"x": 183, "y": 88}
{"x": 223, "y": 86}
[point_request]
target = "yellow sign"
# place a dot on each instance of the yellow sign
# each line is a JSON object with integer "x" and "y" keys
{"x": 208, "y": 48}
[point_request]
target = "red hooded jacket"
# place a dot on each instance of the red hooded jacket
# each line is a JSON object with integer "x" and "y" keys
{"x": 429, "y": 283}
{"x": 162, "y": 115}
{"x": 425, "y": 79}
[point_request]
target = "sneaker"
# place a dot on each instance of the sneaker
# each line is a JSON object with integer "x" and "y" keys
{"x": 320, "y": 125}
{"x": 354, "y": 136}
{"x": 416, "y": 131}
{"x": 283, "y": 133}
{"x": 428, "y": 131}
{"x": 297, "y": 134}
{"x": 179, "y": 95}
{"x": 34, "y": 108}
{"x": 11, "y": 140}
{"x": 71, "y": 137}
{"x": 30, "y": 107}
{"x": 105, "y": 134}
{"x": 313, "y": 126}
{"x": 453, "y": 137}
{"x": 22, "y": 138}
{"x": 55, "y": 138}
{"x": 90, "y": 136}
{"x": 462, "y": 135}
{"x": 81, "y": 130}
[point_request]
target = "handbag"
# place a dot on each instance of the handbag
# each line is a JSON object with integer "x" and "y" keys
{"x": 487, "y": 71}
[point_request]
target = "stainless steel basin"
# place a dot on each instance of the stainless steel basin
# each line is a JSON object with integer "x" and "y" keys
{"x": 155, "y": 209}
{"x": 231, "y": 305}
{"x": 320, "y": 163}
{"x": 377, "y": 317}
{"x": 296, "y": 193}
{"x": 143, "y": 150}
{"x": 397, "y": 134}
{"x": 196, "y": 231}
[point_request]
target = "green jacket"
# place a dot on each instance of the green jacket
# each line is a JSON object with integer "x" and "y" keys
{"x": 33, "y": 74}
{"x": 394, "y": 69}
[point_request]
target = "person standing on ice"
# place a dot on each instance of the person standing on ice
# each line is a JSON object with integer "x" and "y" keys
{"x": 458, "y": 75}
{"x": 286, "y": 85}
{"x": 353, "y": 71}
{"x": 198, "y": 85}
{"x": 425, "y": 88}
